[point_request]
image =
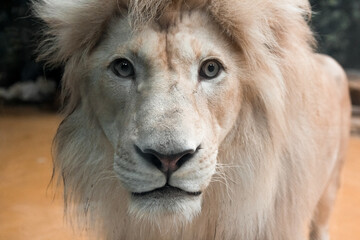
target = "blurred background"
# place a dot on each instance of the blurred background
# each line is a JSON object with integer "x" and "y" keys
{"x": 28, "y": 121}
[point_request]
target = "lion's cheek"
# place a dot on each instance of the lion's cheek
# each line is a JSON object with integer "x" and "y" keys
{"x": 224, "y": 110}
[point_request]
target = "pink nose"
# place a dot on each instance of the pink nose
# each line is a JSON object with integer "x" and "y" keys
{"x": 167, "y": 163}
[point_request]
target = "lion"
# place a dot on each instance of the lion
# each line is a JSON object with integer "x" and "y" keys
{"x": 195, "y": 119}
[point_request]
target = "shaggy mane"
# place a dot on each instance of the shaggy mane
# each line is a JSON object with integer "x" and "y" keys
{"x": 269, "y": 34}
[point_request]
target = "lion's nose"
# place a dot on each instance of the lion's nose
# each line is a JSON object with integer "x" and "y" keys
{"x": 167, "y": 163}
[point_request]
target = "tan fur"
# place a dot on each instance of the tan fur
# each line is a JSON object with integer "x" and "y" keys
{"x": 279, "y": 123}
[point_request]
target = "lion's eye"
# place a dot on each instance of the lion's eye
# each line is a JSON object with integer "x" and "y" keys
{"x": 210, "y": 69}
{"x": 122, "y": 68}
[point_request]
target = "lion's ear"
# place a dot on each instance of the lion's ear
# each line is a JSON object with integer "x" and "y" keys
{"x": 71, "y": 26}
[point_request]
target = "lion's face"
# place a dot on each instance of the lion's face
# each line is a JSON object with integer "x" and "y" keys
{"x": 165, "y": 99}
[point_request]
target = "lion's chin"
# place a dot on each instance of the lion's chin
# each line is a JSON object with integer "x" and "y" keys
{"x": 168, "y": 202}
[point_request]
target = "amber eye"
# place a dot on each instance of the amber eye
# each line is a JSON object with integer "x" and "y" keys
{"x": 210, "y": 69}
{"x": 122, "y": 68}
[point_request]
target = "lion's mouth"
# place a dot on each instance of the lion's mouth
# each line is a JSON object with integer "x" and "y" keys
{"x": 166, "y": 190}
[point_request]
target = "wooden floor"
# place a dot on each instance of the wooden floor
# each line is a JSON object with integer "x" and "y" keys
{"x": 28, "y": 211}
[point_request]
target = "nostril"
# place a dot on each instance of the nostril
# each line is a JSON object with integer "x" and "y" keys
{"x": 151, "y": 158}
{"x": 186, "y": 157}
{"x": 166, "y": 162}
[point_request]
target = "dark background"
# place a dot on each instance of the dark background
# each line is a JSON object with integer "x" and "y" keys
{"x": 336, "y": 24}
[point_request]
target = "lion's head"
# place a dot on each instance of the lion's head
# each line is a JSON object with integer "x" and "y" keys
{"x": 181, "y": 110}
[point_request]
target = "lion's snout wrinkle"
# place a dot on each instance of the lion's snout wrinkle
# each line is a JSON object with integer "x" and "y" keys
{"x": 165, "y": 162}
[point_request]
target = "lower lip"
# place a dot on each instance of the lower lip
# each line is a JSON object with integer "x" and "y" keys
{"x": 166, "y": 191}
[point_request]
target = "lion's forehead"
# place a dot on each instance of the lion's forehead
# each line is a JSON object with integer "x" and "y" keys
{"x": 187, "y": 42}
